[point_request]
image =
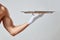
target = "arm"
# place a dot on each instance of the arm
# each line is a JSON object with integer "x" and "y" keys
{"x": 12, "y": 29}
{"x": 9, "y": 26}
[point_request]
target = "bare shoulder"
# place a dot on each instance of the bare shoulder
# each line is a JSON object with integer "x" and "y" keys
{"x": 2, "y": 7}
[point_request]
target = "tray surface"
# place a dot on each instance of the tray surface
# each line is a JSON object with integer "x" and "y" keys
{"x": 37, "y": 11}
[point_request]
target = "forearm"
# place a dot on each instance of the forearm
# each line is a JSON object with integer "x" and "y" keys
{"x": 18, "y": 29}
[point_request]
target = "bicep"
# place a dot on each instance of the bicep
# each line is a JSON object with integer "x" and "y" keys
{"x": 7, "y": 23}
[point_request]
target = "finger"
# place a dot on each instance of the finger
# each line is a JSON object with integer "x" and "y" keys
{"x": 32, "y": 14}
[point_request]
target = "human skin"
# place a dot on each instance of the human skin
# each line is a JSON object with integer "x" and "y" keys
{"x": 8, "y": 23}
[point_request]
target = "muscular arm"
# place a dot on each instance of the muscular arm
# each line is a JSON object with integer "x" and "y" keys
{"x": 8, "y": 23}
{"x": 10, "y": 27}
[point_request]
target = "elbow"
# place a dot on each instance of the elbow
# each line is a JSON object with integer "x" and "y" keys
{"x": 13, "y": 34}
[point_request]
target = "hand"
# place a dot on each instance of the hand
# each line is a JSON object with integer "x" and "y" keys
{"x": 35, "y": 17}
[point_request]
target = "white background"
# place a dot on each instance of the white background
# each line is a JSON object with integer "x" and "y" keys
{"x": 45, "y": 28}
